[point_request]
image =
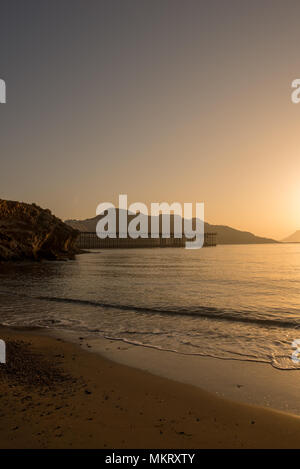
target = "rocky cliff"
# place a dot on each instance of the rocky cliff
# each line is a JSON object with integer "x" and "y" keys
{"x": 30, "y": 232}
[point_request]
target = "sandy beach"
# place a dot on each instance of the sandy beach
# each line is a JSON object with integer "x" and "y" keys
{"x": 56, "y": 395}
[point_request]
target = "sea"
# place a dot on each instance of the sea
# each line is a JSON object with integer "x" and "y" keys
{"x": 231, "y": 302}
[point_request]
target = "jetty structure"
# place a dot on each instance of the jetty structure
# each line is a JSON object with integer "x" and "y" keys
{"x": 90, "y": 240}
{"x": 164, "y": 238}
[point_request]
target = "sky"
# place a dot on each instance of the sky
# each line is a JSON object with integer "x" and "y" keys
{"x": 162, "y": 100}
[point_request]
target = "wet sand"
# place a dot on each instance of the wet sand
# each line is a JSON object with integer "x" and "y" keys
{"x": 53, "y": 394}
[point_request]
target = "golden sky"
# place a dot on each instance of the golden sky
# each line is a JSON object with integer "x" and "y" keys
{"x": 164, "y": 101}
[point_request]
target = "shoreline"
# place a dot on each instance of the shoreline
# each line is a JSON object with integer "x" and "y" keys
{"x": 92, "y": 402}
{"x": 248, "y": 382}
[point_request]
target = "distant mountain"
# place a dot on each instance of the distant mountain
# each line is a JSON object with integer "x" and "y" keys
{"x": 228, "y": 235}
{"x": 88, "y": 225}
{"x": 294, "y": 238}
{"x": 225, "y": 234}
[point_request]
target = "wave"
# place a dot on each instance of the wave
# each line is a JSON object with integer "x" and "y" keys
{"x": 279, "y": 362}
{"x": 205, "y": 312}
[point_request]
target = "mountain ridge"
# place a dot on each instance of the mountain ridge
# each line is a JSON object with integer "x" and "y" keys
{"x": 293, "y": 238}
{"x": 225, "y": 234}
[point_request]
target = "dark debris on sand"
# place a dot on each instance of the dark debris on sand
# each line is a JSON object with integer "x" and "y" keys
{"x": 27, "y": 368}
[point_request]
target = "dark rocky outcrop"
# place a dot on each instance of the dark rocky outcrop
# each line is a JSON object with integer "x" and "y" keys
{"x": 30, "y": 232}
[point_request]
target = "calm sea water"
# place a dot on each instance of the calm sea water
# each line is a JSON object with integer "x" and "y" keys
{"x": 229, "y": 302}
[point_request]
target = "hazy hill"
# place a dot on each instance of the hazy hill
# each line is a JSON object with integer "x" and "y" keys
{"x": 294, "y": 238}
{"x": 228, "y": 235}
{"x": 225, "y": 234}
